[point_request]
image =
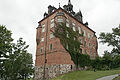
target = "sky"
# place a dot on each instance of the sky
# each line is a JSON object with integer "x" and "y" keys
{"x": 22, "y": 16}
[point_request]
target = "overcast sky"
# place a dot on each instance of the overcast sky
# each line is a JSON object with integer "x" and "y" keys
{"x": 22, "y": 16}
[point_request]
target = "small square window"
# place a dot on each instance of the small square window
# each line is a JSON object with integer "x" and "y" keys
{"x": 51, "y": 35}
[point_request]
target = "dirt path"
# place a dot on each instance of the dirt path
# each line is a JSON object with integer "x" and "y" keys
{"x": 108, "y": 77}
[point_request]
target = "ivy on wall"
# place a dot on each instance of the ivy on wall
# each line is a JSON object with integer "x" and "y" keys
{"x": 71, "y": 42}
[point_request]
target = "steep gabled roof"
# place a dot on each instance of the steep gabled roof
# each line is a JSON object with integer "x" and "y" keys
{"x": 68, "y": 14}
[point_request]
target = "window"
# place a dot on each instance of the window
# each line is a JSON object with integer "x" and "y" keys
{"x": 73, "y": 26}
{"x": 67, "y": 35}
{"x": 51, "y": 35}
{"x": 67, "y": 46}
{"x": 88, "y": 35}
{"x": 80, "y": 50}
{"x": 89, "y": 45}
{"x": 85, "y": 43}
{"x": 52, "y": 23}
{"x": 85, "y": 51}
{"x": 93, "y": 46}
{"x": 67, "y": 22}
{"x": 42, "y": 39}
{"x": 94, "y": 54}
{"x": 84, "y": 33}
{"x": 41, "y": 50}
{"x": 79, "y": 29}
{"x": 50, "y": 47}
{"x": 80, "y": 40}
{"x": 43, "y": 28}
{"x": 74, "y": 38}
{"x": 92, "y": 36}
{"x": 91, "y": 53}
{"x": 60, "y": 20}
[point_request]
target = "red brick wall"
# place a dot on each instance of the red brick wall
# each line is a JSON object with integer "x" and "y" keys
{"x": 58, "y": 55}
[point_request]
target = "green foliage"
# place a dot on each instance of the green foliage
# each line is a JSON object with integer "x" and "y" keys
{"x": 84, "y": 60}
{"x": 18, "y": 64}
{"x": 5, "y": 47}
{"x": 108, "y": 61}
{"x": 111, "y": 59}
{"x": 71, "y": 42}
{"x": 112, "y": 39}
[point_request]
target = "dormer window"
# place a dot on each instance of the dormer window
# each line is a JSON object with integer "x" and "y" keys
{"x": 60, "y": 20}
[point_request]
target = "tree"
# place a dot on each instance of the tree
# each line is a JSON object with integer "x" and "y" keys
{"x": 20, "y": 62}
{"x": 107, "y": 60}
{"x": 16, "y": 63}
{"x": 84, "y": 60}
{"x": 112, "y": 39}
{"x": 70, "y": 40}
{"x": 116, "y": 61}
{"x": 5, "y": 48}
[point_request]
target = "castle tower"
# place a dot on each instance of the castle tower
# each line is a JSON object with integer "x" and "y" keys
{"x": 51, "y": 57}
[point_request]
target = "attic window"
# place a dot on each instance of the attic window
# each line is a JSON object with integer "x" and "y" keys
{"x": 60, "y": 20}
{"x": 59, "y": 13}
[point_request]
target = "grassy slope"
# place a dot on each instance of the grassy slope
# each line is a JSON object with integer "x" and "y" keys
{"x": 86, "y": 75}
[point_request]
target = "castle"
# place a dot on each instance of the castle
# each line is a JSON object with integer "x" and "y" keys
{"x": 51, "y": 57}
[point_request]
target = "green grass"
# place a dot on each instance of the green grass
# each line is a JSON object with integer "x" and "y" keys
{"x": 86, "y": 75}
{"x": 117, "y": 78}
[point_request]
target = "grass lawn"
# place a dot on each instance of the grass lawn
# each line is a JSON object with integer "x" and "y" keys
{"x": 86, "y": 75}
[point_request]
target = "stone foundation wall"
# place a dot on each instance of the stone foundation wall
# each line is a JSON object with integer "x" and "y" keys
{"x": 52, "y": 71}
